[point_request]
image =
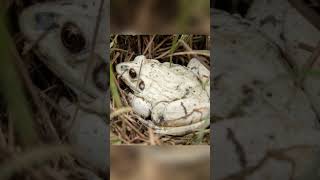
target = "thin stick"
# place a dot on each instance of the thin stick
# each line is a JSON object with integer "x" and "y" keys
{"x": 149, "y": 44}
{"x": 92, "y": 54}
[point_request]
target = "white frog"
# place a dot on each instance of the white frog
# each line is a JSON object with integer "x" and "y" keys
{"x": 176, "y": 97}
{"x": 63, "y": 32}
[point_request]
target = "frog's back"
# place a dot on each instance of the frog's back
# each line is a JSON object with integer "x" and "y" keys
{"x": 165, "y": 83}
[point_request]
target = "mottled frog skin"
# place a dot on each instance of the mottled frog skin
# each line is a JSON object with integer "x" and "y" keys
{"x": 175, "y": 96}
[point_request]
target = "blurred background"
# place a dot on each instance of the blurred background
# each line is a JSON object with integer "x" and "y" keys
{"x": 160, "y": 163}
{"x": 33, "y": 128}
{"x": 160, "y": 16}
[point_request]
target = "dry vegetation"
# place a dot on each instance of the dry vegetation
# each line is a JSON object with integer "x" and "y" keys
{"x": 125, "y": 127}
{"x": 33, "y": 143}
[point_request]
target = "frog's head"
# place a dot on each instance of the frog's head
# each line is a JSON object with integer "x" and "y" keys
{"x": 63, "y": 32}
{"x": 129, "y": 73}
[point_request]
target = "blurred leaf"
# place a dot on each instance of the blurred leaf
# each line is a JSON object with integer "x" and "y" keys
{"x": 174, "y": 46}
{"x": 120, "y": 111}
{"x": 114, "y": 90}
{"x": 114, "y": 140}
{"x": 315, "y": 72}
{"x": 200, "y": 135}
{"x": 12, "y": 90}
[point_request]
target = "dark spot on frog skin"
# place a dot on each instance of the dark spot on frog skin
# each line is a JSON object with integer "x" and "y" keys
{"x": 246, "y": 90}
{"x": 187, "y": 91}
{"x": 124, "y": 67}
{"x": 84, "y": 6}
{"x": 184, "y": 108}
{"x": 161, "y": 118}
{"x": 66, "y": 4}
{"x": 215, "y": 27}
{"x": 269, "y": 94}
{"x": 248, "y": 100}
{"x": 271, "y": 137}
{"x": 256, "y": 82}
{"x": 152, "y": 65}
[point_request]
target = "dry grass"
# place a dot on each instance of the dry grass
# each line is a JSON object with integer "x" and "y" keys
{"x": 179, "y": 49}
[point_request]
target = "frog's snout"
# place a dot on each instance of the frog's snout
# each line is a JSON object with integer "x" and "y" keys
{"x": 36, "y": 21}
{"x": 121, "y": 68}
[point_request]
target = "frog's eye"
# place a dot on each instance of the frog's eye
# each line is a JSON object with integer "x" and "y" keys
{"x": 132, "y": 73}
{"x": 72, "y": 38}
{"x": 141, "y": 85}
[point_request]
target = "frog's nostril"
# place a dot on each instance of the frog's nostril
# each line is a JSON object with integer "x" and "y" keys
{"x": 45, "y": 20}
{"x": 123, "y": 67}
{"x": 141, "y": 85}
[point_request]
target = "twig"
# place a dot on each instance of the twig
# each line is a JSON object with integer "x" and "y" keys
{"x": 91, "y": 56}
{"x": 149, "y": 44}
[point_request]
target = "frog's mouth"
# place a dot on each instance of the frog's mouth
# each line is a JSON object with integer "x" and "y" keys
{"x": 127, "y": 86}
{"x": 123, "y": 75}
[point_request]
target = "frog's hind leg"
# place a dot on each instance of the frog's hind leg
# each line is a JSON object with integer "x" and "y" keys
{"x": 179, "y": 113}
{"x": 199, "y": 69}
{"x": 182, "y": 130}
{"x": 201, "y": 72}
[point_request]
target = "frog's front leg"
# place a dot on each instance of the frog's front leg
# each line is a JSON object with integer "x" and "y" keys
{"x": 181, "y": 116}
{"x": 139, "y": 105}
